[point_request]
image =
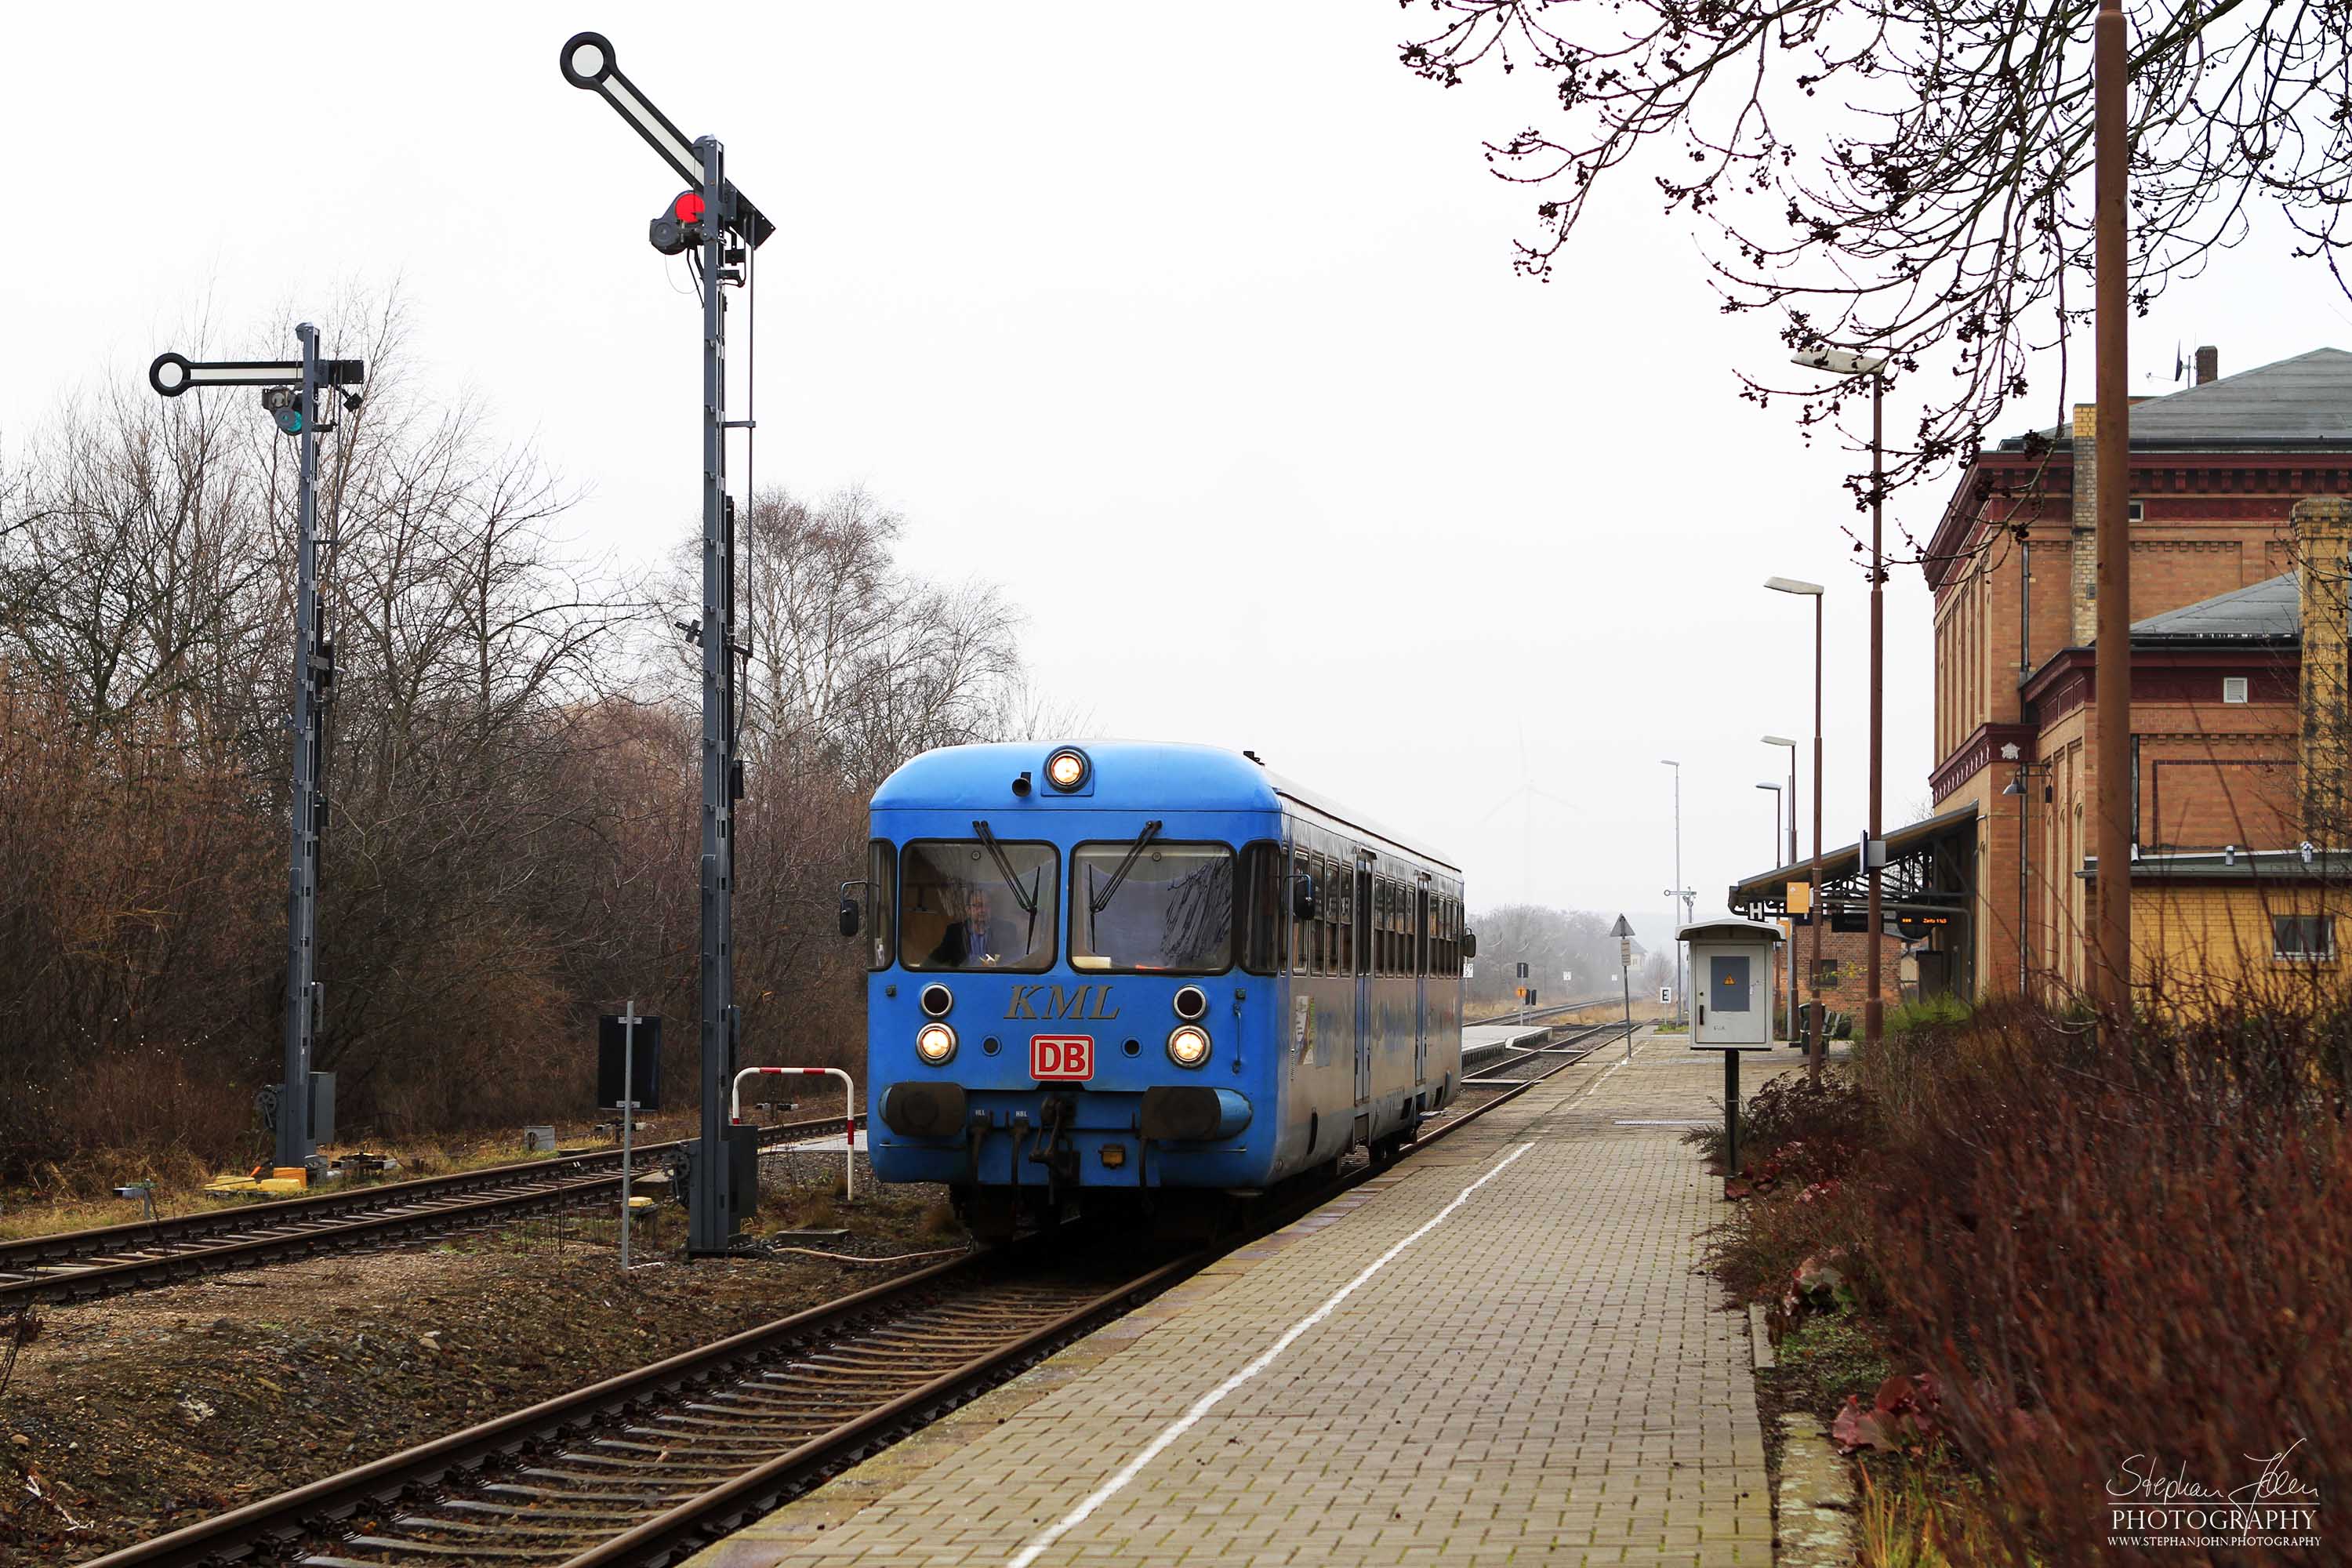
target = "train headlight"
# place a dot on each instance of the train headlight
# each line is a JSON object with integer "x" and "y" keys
{"x": 937, "y": 999}
{"x": 1187, "y": 1045}
{"x": 1066, "y": 770}
{"x": 1192, "y": 1003}
{"x": 935, "y": 1043}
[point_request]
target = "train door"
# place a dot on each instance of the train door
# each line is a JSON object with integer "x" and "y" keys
{"x": 1419, "y": 963}
{"x": 1360, "y": 945}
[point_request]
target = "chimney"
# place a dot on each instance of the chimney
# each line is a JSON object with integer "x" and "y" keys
{"x": 2323, "y": 535}
{"x": 2209, "y": 363}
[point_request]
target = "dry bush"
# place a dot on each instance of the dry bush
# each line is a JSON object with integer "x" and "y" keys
{"x": 2112, "y": 1247}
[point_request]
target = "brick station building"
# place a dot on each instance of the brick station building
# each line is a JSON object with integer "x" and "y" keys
{"x": 2239, "y": 541}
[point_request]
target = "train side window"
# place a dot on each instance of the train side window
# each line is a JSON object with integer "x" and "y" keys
{"x": 1346, "y": 933}
{"x": 1301, "y": 865}
{"x": 1359, "y": 924}
{"x": 881, "y": 888}
{"x": 1325, "y": 896}
{"x": 1421, "y": 935}
{"x": 1260, "y": 916}
{"x": 1343, "y": 934}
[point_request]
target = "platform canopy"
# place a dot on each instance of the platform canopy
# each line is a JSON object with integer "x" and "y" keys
{"x": 1928, "y": 872}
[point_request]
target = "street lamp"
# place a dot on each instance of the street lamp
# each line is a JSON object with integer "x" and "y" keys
{"x": 1813, "y": 1043}
{"x": 1678, "y": 891}
{"x": 1789, "y": 958}
{"x": 1846, "y": 362}
{"x": 1795, "y": 1036}
{"x": 1784, "y": 740}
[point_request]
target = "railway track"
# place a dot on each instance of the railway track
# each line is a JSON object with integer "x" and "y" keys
{"x": 644, "y": 1468}
{"x": 80, "y": 1264}
{"x": 1501, "y": 1065}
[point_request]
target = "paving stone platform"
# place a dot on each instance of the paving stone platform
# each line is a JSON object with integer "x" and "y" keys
{"x": 1515, "y": 1361}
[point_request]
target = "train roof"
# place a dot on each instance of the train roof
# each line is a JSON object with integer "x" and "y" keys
{"x": 1128, "y": 775}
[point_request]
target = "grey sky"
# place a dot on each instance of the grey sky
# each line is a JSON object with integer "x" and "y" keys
{"x": 1195, "y": 327}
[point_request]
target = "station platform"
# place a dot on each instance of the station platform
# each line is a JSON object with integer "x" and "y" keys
{"x": 1483, "y": 1045}
{"x": 1502, "y": 1350}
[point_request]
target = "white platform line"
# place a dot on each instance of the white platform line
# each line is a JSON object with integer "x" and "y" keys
{"x": 1201, "y": 1407}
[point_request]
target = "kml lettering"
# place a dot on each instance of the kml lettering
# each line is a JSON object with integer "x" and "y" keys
{"x": 1060, "y": 1004}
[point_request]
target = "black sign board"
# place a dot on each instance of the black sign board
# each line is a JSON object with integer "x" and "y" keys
{"x": 646, "y": 1059}
{"x": 1847, "y": 919}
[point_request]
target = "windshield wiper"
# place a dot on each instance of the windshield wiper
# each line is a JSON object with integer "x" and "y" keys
{"x": 1101, "y": 901}
{"x": 1026, "y": 896}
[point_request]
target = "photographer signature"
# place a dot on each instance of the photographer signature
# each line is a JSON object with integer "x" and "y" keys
{"x": 2141, "y": 1479}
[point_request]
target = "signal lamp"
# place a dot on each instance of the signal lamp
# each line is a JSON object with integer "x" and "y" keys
{"x": 285, "y": 405}
{"x": 1192, "y": 1003}
{"x": 1187, "y": 1045}
{"x": 936, "y": 1000}
{"x": 935, "y": 1043}
{"x": 679, "y": 225}
{"x": 1066, "y": 770}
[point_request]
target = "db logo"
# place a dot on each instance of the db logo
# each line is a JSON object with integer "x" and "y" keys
{"x": 1061, "y": 1056}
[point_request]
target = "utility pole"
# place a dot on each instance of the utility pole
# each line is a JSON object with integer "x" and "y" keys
{"x": 2111, "y": 659}
{"x": 719, "y": 226}
{"x": 1874, "y": 1009}
{"x": 292, "y": 392}
{"x": 1848, "y": 362}
{"x": 1677, "y": 893}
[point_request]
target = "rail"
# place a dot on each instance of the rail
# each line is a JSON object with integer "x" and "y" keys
{"x": 145, "y": 1253}
{"x": 644, "y": 1468}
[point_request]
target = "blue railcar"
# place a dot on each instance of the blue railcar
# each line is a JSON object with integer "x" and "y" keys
{"x": 1121, "y": 971}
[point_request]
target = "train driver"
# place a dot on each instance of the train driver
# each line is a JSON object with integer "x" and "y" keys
{"x": 974, "y": 942}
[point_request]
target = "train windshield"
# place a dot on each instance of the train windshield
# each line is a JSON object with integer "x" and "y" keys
{"x": 978, "y": 903}
{"x": 1149, "y": 906}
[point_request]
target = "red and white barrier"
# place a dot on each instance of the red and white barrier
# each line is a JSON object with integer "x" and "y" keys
{"x": 848, "y": 1112}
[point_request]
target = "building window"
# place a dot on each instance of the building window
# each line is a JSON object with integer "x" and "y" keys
{"x": 2234, "y": 688}
{"x": 1825, "y": 972}
{"x": 2136, "y": 511}
{"x": 2302, "y": 939}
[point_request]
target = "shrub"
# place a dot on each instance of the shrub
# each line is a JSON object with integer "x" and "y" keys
{"x": 2105, "y": 1244}
{"x": 1798, "y": 1127}
{"x": 1944, "y": 1013}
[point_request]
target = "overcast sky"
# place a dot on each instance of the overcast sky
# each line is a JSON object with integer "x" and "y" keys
{"x": 1195, "y": 327}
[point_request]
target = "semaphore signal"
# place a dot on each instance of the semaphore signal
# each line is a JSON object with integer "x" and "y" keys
{"x": 294, "y": 393}
{"x": 717, "y": 227}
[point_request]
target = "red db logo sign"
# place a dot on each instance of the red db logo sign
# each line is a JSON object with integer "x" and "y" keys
{"x": 1064, "y": 1056}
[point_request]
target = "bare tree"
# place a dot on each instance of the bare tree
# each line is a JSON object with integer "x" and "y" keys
{"x": 1912, "y": 176}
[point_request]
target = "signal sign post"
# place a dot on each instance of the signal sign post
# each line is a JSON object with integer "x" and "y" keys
{"x": 1623, "y": 931}
{"x": 291, "y": 392}
{"x": 721, "y": 227}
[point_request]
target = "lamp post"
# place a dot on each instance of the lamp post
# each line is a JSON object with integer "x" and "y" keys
{"x": 1776, "y": 814}
{"x": 1776, "y": 855}
{"x": 1794, "y": 1036}
{"x": 1846, "y": 362}
{"x": 1682, "y": 996}
{"x": 1813, "y": 1042}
